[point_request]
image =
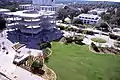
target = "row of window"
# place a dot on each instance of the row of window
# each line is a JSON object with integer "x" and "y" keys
{"x": 88, "y": 22}
{"x": 89, "y": 18}
{"x": 41, "y": 8}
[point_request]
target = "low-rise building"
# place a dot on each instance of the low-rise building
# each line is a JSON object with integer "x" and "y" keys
{"x": 90, "y": 18}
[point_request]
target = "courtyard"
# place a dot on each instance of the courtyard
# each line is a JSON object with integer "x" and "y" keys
{"x": 76, "y": 62}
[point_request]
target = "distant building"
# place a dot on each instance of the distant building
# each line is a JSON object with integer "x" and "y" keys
{"x": 46, "y": 5}
{"x": 43, "y": 2}
{"x": 4, "y": 11}
{"x": 90, "y": 18}
{"x": 97, "y": 11}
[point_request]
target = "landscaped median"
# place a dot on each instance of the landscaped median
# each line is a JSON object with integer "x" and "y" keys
{"x": 98, "y": 40}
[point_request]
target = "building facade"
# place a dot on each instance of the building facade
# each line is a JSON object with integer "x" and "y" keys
{"x": 43, "y": 2}
{"x": 45, "y": 5}
{"x": 90, "y": 18}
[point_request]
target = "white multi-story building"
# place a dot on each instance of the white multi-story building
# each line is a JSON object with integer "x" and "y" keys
{"x": 90, "y": 18}
{"x": 2, "y": 11}
{"x": 46, "y": 5}
{"x": 31, "y": 24}
{"x": 43, "y": 2}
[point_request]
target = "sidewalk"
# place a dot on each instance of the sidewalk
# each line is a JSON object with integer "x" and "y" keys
{"x": 9, "y": 69}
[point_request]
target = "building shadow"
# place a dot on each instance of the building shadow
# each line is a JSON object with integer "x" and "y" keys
{"x": 33, "y": 42}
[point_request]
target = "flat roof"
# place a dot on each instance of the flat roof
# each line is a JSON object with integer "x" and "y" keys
{"x": 30, "y": 15}
{"x": 25, "y": 5}
{"x": 89, "y": 15}
{"x": 4, "y": 10}
{"x": 99, "y": 10}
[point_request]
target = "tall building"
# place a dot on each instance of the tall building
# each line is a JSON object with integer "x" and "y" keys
{"x": 43, "y": 2}
{"x": 44, "y": 5}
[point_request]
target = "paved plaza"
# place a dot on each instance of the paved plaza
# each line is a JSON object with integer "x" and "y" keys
{"x": 6, "y": 61}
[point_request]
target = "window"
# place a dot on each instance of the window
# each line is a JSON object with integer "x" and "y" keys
{"x": 94, "y": 21}
{"x": 96, "y": 18}
{"x": 89, "y": 18}
{"x": 87, "y": 22}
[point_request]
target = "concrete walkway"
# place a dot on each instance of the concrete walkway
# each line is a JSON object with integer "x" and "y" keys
{"x": 8, "y": 68}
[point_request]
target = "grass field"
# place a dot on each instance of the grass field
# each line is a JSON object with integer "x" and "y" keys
{"x": 99, "y": 40}
{"x": 73, "y": 62}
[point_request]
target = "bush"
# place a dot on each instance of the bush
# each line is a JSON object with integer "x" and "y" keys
{"x": 37, "y": 65}
{"x": 61, "y": 27}
{"x": 115, "y": 37}
{"x": 46, "y": 52}
{"x": 69, "y": 40}
{"x": 88, "y": 32}
{"x": 79, "y": 31}
{"x": 94, "y": 47}
{"x": 79, "y": 39}
{"x": 45, "y": 45}
{"x": 99, "y": 40}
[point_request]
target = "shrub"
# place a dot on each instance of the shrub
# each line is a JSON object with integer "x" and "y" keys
{"x": 69, "y": 40}
{"x": 79, "y": 31}
{"x": 45, "y": 45}
{"x": 88, "y": 32}
{"x": 37, "y": 65}
{"x": 79, "y": 39}
{"x": 46, "y": 52}
{"x": 94, "y": 47}
{"x": 115, "y": 37}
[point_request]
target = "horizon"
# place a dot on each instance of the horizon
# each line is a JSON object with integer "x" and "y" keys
{"x": 91, "y": 0}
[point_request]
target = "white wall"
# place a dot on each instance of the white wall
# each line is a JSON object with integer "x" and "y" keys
{"x": 43, "y": 2}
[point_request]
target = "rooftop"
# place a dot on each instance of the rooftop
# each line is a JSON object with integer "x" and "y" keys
{"x": 31, "y": 14}
{"x": 89, "y": 15}
{"x": 4, "y": 10}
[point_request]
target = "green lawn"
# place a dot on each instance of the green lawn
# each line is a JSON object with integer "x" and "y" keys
{"x": 99, "y": 40}
{"x": 73, "y": 62}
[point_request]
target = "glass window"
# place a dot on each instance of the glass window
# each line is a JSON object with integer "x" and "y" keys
{"x": 96, "y": 18}
{"x": 94, "y": 21}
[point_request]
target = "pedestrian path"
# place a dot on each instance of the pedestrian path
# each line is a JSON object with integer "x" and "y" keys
{"x": 8, "y": 68}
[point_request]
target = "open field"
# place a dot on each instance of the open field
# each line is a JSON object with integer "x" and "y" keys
{"x": 74, "y": 62}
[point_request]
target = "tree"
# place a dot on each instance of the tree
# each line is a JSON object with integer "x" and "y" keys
{"x": 94, "y": 47}
{"x": 67, "y": 11}
{"x": 62, "y": 14}
{"x": 85, "y": 10}
{"x": 106, "y": 17}
{"x": 118, "y": 12}
{"x": 118, "y": 20}
{"x": 37, "y": 65}
{"x": 77, "y": 21}
{"x": 2, "y": 23}
{"x": 104, "y": 27}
